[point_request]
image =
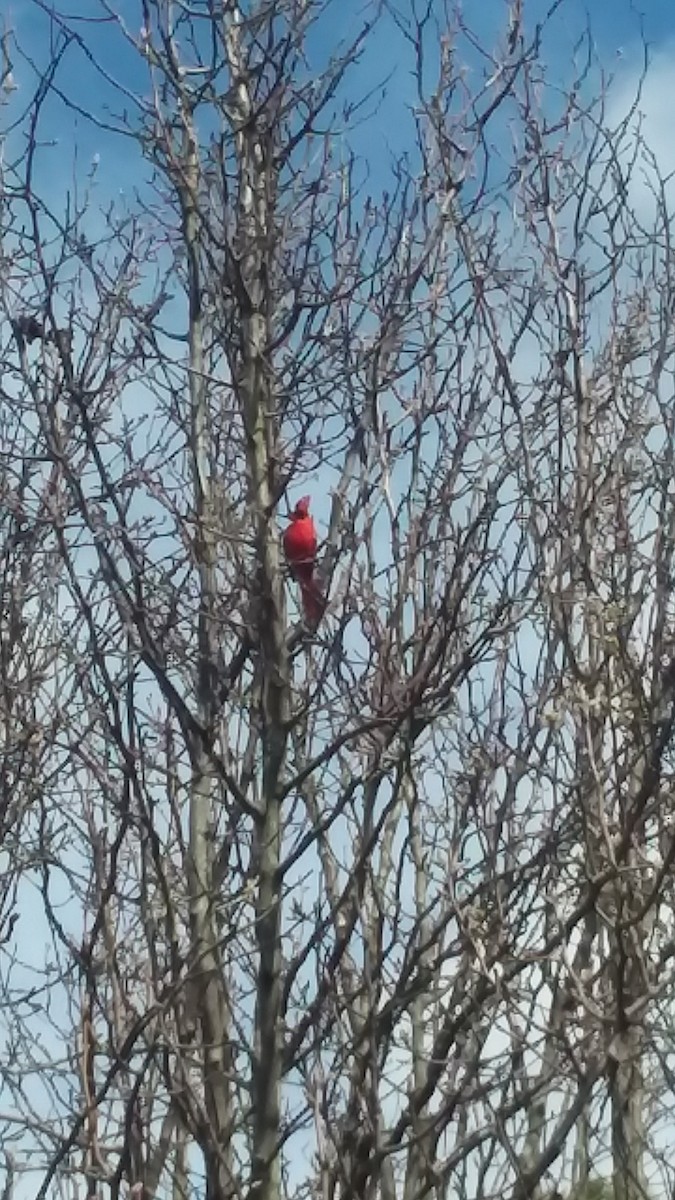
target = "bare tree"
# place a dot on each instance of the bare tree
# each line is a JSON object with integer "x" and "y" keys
{"x": 373, "y": 908}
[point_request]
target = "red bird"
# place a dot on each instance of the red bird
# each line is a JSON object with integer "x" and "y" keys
{"x": 300, "y": 544}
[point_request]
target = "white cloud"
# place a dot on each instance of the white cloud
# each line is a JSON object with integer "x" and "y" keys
{"x": 652, "y": 120}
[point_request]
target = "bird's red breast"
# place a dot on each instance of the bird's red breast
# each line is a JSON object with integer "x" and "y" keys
{"x": 300, "y": 546}
{"x": 300, "y": 540}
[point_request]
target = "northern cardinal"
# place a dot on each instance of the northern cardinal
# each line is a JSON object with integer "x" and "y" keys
{"x": 300, "y": 543}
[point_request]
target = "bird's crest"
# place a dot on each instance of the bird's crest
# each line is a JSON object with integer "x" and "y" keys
{"x": 302, "y": 507}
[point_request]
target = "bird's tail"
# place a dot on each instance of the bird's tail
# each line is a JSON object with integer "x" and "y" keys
{"x": 313, "y": 602}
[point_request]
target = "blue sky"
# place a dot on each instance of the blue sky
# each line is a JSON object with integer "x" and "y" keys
{"x": 618, "y": 27}
{"x": 618, "y": 30}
